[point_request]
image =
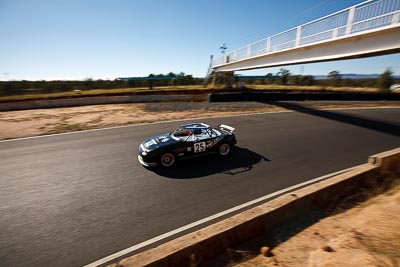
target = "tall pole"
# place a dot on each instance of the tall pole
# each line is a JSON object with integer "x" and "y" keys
{"x": 223, "y": 48}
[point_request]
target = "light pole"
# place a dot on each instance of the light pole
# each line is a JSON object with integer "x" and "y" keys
{"x": 223, "y": 48}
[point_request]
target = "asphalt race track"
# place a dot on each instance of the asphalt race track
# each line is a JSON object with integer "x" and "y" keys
{"x": 69, "y": 200}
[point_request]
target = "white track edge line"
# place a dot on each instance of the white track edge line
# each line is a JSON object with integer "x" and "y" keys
{"x": 139, "y": 124}
{"x": 169, "y": 121}
{"x": 212, "y": 217}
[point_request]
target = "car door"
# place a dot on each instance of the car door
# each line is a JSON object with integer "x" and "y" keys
{"x": 200, "y": 144}
{"x": 184, "y": 149}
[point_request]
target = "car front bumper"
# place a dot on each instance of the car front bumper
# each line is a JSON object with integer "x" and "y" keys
{"x": 146, "y": 164}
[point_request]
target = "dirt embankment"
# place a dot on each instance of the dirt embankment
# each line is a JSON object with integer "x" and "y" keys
{"x": 16, "y": 124}
{"x": 366, "y": 235}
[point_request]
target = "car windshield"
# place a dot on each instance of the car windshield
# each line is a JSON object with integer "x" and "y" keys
{"x": 181, "y": 132}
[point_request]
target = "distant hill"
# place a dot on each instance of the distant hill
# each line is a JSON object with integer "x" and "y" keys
{"x": 354, "y": 76}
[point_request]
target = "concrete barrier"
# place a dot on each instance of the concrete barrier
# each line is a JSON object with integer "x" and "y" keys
{"x": 214, "y": 239}
{"x": 388, "y": 161}
{"x": 300, "y": 96}
{"x": 99, "y": 100}
{"x": 224, "y": 95}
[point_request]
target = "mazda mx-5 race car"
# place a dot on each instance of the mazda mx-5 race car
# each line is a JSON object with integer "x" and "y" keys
{"x": 188, "y": 140}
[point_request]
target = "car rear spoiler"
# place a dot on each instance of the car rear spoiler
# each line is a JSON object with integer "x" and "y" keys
{"x": 226, "y": 128}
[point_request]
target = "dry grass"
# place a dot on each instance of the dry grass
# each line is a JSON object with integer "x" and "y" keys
{"x": 361, "y": 234}
{"x": 314, "y": 88}
{"x": 98, "y": 92}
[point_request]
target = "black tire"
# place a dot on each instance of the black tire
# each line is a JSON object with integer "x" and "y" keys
{"x": 167, "y": 160}
{"x": 224, "y": 149}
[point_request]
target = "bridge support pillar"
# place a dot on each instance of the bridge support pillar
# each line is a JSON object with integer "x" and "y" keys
{"x": 213, "y": 78}
{"x": 227, "y": 78}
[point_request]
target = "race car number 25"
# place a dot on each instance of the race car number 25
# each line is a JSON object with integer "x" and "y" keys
{"x": 199, "y": 147}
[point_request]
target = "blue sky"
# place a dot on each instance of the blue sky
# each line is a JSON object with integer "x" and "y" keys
{"x": 78, "y": 39}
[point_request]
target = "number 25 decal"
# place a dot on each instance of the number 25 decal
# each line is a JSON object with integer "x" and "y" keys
{"x": 200, "y": 147}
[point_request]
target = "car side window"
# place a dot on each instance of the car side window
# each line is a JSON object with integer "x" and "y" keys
{"x": 202, "y": 136}
{"x": 216, "y": 132}
{"x": 191, "y": 138}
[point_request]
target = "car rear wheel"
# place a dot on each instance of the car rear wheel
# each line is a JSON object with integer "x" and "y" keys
{"x": 167, "y": 160}
{"x": 224, "y": 149}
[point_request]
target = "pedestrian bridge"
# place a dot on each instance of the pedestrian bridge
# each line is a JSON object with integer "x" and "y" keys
{"x": 368, "y": 29}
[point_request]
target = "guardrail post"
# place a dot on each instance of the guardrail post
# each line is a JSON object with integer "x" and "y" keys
{"x": 350, "y": 19}
{"x": 396, "y": 18}
{"x": 334, "y": 33}
{"x": 298, "y": 36}
{"x": 268, "y": 44}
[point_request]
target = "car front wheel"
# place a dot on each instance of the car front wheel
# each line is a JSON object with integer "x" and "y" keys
{"x": 167, "y": 160}
{"x": 224, "y": 149}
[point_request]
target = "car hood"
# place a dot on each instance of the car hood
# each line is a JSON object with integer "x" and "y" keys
{"x": 158, "y": 141}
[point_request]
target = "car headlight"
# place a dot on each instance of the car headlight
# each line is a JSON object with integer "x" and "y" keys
{"x": 144, "y": 153}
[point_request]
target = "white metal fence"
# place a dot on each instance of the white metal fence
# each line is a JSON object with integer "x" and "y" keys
{"x": 366, "y": 16}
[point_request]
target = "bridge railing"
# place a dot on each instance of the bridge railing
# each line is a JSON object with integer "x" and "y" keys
{"x": 366, "y": 16}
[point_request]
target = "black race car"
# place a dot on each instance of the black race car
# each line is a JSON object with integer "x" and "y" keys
{"x": 188, "y": 140}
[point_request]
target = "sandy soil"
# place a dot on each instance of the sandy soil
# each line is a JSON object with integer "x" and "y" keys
{"x": 366, "y": 235}
{"x": 16, "y": 124}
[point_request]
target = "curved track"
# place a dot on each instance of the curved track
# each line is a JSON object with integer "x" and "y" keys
{"x": 68, "y": 200}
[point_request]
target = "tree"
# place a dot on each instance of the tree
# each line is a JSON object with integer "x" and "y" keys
{"x": 171, "y": 74}
{"x": 284, "y": 75}
{"x": 307, "y": 80}
{"x": 385, "y": 80}
{"x": 188, "y": 80}
{"x": 295, "y": 80}
{"x": 335, "y": 78}
{"x": 269, "y": 79}
{"x": 173, "y": 82}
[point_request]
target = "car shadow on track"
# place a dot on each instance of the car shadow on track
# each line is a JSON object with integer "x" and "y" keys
{"x": 240, "y": 160}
